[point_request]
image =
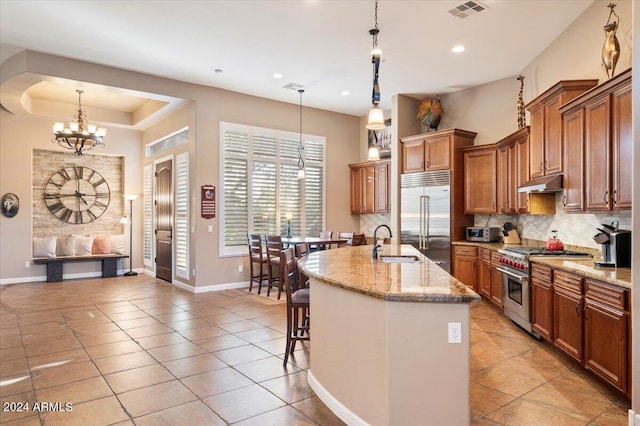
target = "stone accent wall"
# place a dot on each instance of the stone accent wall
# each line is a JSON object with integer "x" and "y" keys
{"x": 46, "y": 163}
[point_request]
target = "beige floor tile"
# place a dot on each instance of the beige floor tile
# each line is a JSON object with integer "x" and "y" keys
{"x": 167, "y": 309}
{"x": 67, "y": 373}
{"x": 103, "y": 411}
{"x": 16, "y": 407}
{"x": 265, "y": 369}
{"x": 102, "y": 338}
{"x": 240, "y": 404}
{"x": 314, "y": 409}
{"x": 161, "y": 340}
{"x": 260, "y": 335}
{"x": 137, "y": 378}
{"x": 521, "y": 412}
{"x": 85, "y": 330}
{"x": 11, "y": 367}
{"x": 185, "y": 367}
{"x": 17, "y": 384}
{"x": 120, "y": 317}
{"x": 274, "y": 346}
{"x": 202, "y": 333}
{"x": 218, "y": 318}
{"x": 615, "y": 415}
{"x": 237, "y": 326}
{"x": 242, "y": 354}
{"x": 507, "y": 380}
{"x": 93, "y": 315}
{"x": 57, "y": 358}
{"x": 16, "y": 352}
{"x": 56, "y": 344}
{"x": 193, "y": 413}
{"x": 485, "y": 400}
{"x": 39, "y": 318}
{"x": 76, "y": 392}
{"x": 171, "y": 317}
{"x": 215, "y": 382}
{"x": 181, "y": 350}
{"x": 112, "y": 349}
{"x": 154, "y": 398}
{"x": 188, "y": 324}
{"x": 146, "y": 321}
{"x": 124, "y": 362}
{"x": 150, "y": 330}
{"x": 11, "y": 342}
{"x": 290, "y": 388}
{"x": 281, "y": 416}
{"x": 219, "y": 343}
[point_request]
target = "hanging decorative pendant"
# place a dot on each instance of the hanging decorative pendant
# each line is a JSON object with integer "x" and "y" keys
{"x": 611, "y": 47}
{"x": 520, "y": 104}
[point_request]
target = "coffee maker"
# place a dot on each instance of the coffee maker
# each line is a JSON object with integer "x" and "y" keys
{"x": 616, "y": 247}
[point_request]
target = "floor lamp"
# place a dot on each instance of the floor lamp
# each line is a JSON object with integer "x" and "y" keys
{"x": 131, "y": 198}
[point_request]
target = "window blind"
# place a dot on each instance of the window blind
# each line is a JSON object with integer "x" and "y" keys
{"x": 182, "y": 215}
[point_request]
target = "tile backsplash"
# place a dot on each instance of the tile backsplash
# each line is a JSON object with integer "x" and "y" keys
{"x": 576, "y": 229}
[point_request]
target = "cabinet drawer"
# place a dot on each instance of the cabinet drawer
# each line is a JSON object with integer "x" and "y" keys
{"x": 542, "y": 272}
{"x": 495, "y": 258}
{"x": 568, "y": 281}
{"x": 613, "y": 296}
{"x": 465, "y": 251}
{"x": 485, "y": 255}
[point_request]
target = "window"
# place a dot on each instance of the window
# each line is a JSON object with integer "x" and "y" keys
{"x": 178, "y": 138}
{"x": 182, "y": 215}
{"x": 260, "y": 184}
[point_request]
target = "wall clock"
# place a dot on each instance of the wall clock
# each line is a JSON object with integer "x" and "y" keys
{"x": 77, "y": 194}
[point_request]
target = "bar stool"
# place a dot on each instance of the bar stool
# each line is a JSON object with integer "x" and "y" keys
{"x": 297, "y": 304}
{"x": 302, "y": 249}
{"x": 274, "y": 248}
{"x": 258, "y": 256}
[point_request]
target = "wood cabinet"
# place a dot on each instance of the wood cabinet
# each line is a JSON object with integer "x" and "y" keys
{"x": 545, "y": 144}
{"x": 542, "y": 301}
{"x": 507, "y": 189}
{"x": 434, "y": 150}
{"x": 496, "y": 279}
{"x": 465, "y": 265}
{"x": 480, "y": 173}
{"x": 606, "y": 343}
{"x": 484, "y": 273}
{"x": 522, "y": 169}
{"x": 369, "y": 187}
{"x": 567, "y": 313}
{"x": 597, "y": 133}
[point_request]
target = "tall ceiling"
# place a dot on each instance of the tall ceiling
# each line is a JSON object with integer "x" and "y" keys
{"x": 321, "y": 45}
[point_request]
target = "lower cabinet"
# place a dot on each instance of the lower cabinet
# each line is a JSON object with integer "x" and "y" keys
{"x": 567, "y": 321}
{"x": 465, "y": 261}
{"x": 496, "y": 279}
{"x": 542, "y": 301}
{"x": 484, "y": 274}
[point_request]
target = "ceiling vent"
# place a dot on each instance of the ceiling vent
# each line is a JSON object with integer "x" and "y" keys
{"x": 467, "y": 9}
{"x": 293, "y": 86}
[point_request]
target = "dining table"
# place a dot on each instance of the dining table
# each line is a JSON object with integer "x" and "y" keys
{"x": 320, "y": 242}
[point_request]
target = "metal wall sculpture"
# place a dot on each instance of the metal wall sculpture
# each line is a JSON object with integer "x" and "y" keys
{"x": 611, "y": 47}
{"x": 520, "y": 104}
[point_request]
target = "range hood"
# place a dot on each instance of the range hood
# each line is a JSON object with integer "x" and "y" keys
{"x": 543, "y": 184}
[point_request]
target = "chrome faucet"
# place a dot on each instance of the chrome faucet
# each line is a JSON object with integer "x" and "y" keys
{"x": 376, "y": 246}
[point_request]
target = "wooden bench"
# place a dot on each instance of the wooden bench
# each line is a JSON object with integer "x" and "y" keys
{"x": 54, "y": 264}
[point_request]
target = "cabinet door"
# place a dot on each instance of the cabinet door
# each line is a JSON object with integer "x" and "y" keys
{"x": 496, "y": 286}
{"x": 465, "y": 270}
{"x": 622, "y": 140}
{"x": 597, "y": 157}
{"x": 605, "y": 343}
{"x": 522, "y": 173}
{"x": 437, "y": 153}
{"x": 567, "y": 322}
{"x": 484, "y": 279}
{"x": 542, "y": 308}
{"x": 413, "y": 156}
{"x": 480, "y": 182}
{"x": 356, "y": 190}
{"x": 368, "y": 189}
{"x": 382, "y": 188}
{"x": 553, "y": 137}
{"x": 503, "y": 179}
{"x": 573, "y": 198}
{"x": 536, "y": 142}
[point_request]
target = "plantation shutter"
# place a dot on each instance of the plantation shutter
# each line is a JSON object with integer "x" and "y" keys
{"x": 236, "y": 203}
{"x": 148, "y": 215}
{"x": 182, "y": 215}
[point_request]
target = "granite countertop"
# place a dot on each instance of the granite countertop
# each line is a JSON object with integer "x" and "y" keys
{"x": 352, "y": 269}
{"x": 617, "y": 276}
{"x": 585, "y": 267}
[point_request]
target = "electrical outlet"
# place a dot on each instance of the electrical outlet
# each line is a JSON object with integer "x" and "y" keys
{"x": 240, "y": 268}
{"x": 27, "y": 264}
{"x": 455, "y": 332}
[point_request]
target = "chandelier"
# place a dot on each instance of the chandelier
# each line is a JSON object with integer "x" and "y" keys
{"x": 79, "y": 135}
{"x": 376, "y": 117}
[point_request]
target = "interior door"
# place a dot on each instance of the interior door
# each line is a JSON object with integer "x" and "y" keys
{"x": 164, "y": 220}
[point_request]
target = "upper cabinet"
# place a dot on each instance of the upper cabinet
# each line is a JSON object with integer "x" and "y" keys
{"x": 434, "y": 150}
{"x": 545, "y": 143}
{"x": 480, "y": 177}
{"x": 370, "y": 187}
{"x": 597, "y": 135}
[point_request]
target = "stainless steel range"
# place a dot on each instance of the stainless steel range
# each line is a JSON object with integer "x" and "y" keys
{"x": 516, "y": 285}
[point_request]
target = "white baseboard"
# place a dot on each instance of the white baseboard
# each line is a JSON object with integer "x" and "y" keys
{"x": 208, "y": 288}
{"x": 634, "y": 418}
{"x": 346, "y": 415}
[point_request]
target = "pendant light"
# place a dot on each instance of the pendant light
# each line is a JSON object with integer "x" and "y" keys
{"x": 376, "y": 117}
{"x": 300, "y": 147}
{"x": 78, "y": 136}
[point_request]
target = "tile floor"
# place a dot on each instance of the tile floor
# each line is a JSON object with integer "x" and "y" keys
{"x": 133, "y": 350}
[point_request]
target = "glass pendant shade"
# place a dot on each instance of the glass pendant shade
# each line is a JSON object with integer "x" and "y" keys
{"x": 376, "y": 119}
{"x": 301, "y": 174}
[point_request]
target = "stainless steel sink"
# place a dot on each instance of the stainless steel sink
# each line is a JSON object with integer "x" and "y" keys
{"x": 399, "y": 259}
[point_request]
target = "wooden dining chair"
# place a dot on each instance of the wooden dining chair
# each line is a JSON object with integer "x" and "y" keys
{"x": 302, "y": 249}
{"x": 274, "y": 248}
{"x": 257, "y": 256}
{"x": 326, "y": 235}
{"x": 359, "y": 240}
{"x": 298, "y": 320}
{"x": 345, "y": 236}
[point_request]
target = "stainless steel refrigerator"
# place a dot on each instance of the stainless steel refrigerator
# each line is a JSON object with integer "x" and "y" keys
{"x": 425, "y": 214}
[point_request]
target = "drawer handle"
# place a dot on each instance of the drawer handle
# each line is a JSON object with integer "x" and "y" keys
{"x": 541, "y": 166}
{"x": 578, "y": 309}
{"x": 564, "y": 200}
{"x": 584, "y": 312}
{"x": 613, "y": 197}
{"x": 606, "y": 200}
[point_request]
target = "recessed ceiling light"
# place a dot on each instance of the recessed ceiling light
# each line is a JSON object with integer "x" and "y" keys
{"x": 345, "y": 93}
{"x": 277, "y": 75}
{"x": 457, "y": 49}
{"x": 218, "y": 71}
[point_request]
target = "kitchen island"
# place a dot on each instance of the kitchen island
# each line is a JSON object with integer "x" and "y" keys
{"x": 379, "y": 342}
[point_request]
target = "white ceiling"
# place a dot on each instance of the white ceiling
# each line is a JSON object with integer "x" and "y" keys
{"x": 319, "y": 44}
